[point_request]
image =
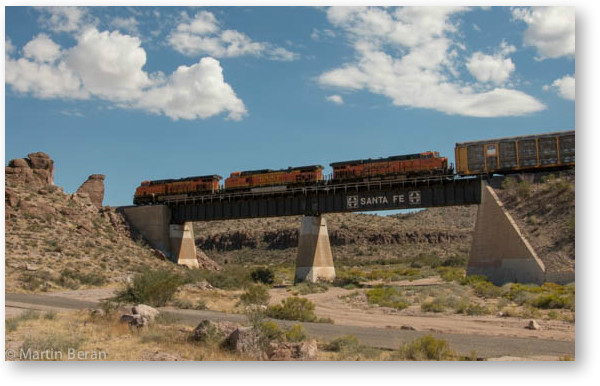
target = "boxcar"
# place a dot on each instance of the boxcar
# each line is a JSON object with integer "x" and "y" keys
{"x": 408, "y": 165}
{"x": 516, "y": 154}
{"x": 267, "y": 179}
{"x": 150, "y": 192}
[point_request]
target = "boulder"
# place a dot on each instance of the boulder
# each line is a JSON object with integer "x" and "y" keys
{"x": 11, "y": 198}
{"x": 244, "y": 340}
{"x": 215, "y": 331}
{"x": 94, "y": 188}
{"x": 293, "y": 351}
{"x": 36, "y": 170}
{"x": 145, "y": 311}
{"x": 533, "y": 325}
{"x": 206, "y": 262}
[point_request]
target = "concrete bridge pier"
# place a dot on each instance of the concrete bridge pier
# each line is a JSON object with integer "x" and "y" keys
{"x": 499, "y": 250}
{"x": 314, "y": 261}
{"x": 176, "y": 241}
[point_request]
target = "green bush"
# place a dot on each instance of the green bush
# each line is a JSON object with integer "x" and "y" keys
{"x": 472, "y": 309}
{"x": 349, "y": 279}
{"x": 296, "y": 333}
{"x": 427, "y": 348}
{"x": 263, "y": 275}
{"x": 346, "y": 343}
{"x": 436, "y": 305}
{"x": 449, "y": 274}
{"x": 554, "y": 300}
{"x": 231, "y": 277}
{"x": 152, "y": 287}
{"x": 271, "y": 331}
{"x": 455, "y": 261}
{"x": 293, "y": 308}
{"x": 487, "y": 290}
{"x": 306, "y": 288}
{"x": 255, "y": 295}
{"x": 472, "y": 279}
{"x": 387, "y": 297}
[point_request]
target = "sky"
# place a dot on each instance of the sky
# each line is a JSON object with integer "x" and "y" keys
{"x": 140, "y": 93}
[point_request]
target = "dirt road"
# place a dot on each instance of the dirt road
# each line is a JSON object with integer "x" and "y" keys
{"x": 484, "y": 345}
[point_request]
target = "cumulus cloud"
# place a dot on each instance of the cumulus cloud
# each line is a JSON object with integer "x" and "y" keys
{"x": 64, "y": 19}
{"x": 565, "y": 87}
{"x": 42, "y": 49}
{"x": 129, "y": 25}
{"x": 110, "y": 66}
{"x": 551, "y": 30}
{"x": 494, "y": 68}
{"x": 407, "y": 55}
{"x": 198, "y": 91}
{"x": 203, "y": 35}
{"x": 337, "y": 99}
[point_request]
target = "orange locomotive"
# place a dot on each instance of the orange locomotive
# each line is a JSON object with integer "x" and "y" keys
{"x": 409, "y": 165}
{"x": 274, "y": 180}
{"x": 150, "y": 192}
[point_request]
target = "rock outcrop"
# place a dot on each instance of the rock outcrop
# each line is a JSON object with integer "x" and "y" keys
{"x": 94, "y": 187}
{"x": 36, "y": 170}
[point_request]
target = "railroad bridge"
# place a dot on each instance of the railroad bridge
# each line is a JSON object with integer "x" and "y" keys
{"x": 499, "y": 251}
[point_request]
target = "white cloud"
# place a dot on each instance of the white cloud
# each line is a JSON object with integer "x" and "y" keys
{"x": 109, "y": 65}
{"x": 42, "y": 49}
{"x": 129, "y": 24}
{"x": 198, "y": 91}
{"x": 203, "y": 36}
{"x": 408, "y": 56}
{"x": 43, "y": 80}
{"x": 551, "y": 30}
{"x": 337, "y": 99}
{"x": 63, "y": 19}
{"x": 492, "y": 68}
{"x": 565, "y": 87}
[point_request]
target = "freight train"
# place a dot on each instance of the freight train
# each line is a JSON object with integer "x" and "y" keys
{"x": 531, "y": 153}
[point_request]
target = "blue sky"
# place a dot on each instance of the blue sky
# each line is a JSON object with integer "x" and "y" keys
{"x": 166, "y": 92}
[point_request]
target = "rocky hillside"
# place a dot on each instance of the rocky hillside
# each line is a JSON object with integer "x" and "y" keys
{"x": 443, "y": 231}
{"x": 545, "y": 213}
{"x": 58, "y": 240}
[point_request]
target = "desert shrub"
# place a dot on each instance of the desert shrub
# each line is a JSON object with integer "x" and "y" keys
{"x": 109, "y": 306}
{"x": 50, "y": 315}
{"x": 349, "y": 279}
{"x": 263, "y": 275}
{"x": 346, "y": 343}
{"x": 387, "y": 297}
{"x": 152, "y": 287}
{"x": 472, "y": 309}
{"x": 231, "y": 277}
{"x": 520, "y": 293}
{"x": 455, "y": 261}
{"x": 293, "y": 308}
{"x": 201, "y": 305}
{"x": 306, "y": 288}
{"x": 255, "y": 295}
{"x": 509, "y": 183}
{"x": 296, "y": 333}
{"x": 427, "y": 348}
{"x": 184, "y": 304}
{"x": 70, "y": 278}
{"x": 472, "y": 279}
{"x": 424, "y": 259}
{"x": 36, "y": 280}
{"x": 12, "y": 324}
{"x": 451, "y": 273}
{"x": 271, "y": 331}
{"x": 52, "y": 343}
{"x": 435, "y": 305}
{"x": 487, "y": 290}
{"x": 523, "y": 190}
{"x": 553, "y": 300}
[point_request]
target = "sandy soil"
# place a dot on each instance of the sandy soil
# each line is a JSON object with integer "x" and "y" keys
{"x": 330, "y": 305}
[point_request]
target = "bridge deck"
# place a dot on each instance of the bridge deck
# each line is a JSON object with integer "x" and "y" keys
{"x": 330, "y": 198}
